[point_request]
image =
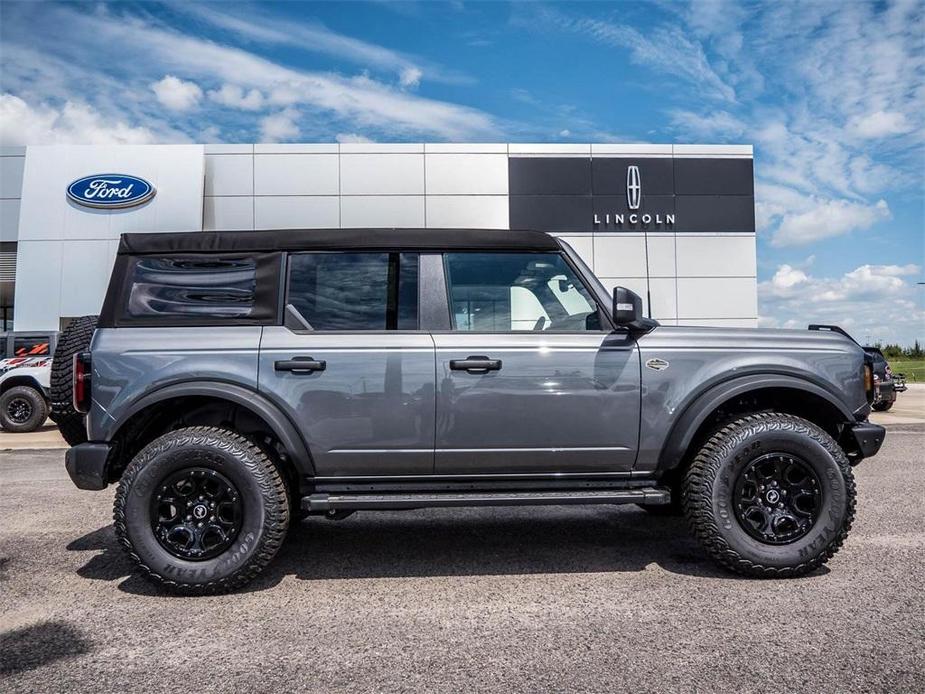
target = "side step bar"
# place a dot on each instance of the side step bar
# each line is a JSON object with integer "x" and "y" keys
{"x": 323, "y": 503}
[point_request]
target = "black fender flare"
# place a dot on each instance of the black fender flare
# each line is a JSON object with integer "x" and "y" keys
{"x": 284, "y": 429}
{"x": 705, "y": 403}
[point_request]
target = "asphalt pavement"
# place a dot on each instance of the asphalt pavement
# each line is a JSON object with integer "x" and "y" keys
{"x": 530, "y": 599}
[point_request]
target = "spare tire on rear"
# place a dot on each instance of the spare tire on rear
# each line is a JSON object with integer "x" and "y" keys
{"x": 75, "y": 338}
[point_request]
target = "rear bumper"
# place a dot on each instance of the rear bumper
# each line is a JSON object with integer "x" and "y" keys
{"x": 886, "y": 392}
{"x": 867, "y": 438}
{"x": 88, "y": 465}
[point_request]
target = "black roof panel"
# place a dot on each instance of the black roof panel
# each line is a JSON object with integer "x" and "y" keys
{"x": 336, "y": 239}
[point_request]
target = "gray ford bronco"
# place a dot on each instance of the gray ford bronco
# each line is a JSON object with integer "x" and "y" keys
{"x": 235, "y": 382}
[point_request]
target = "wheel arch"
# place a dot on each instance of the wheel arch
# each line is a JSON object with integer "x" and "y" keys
{"x": 199, "y": 396}
{"x": 21, "y": 380}
{"x": 788, "y": 394}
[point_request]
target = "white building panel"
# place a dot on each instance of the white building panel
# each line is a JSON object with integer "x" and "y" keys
{"x": 382, "y": 174}
{"x": 228, "y": 213}
{"x": 295, "y": 174}
{"x": 382, "y": 211}
{"x": 38, "y": 291}
{"x": 9, "y": 220}
{"x": 719, "y": 255}
{"x": 467, "y": 211}
{"x": 87, "y": 265}
{"x": 11, "y": 169}
{"x": 466, "y": 174}
{"x": 716, "y": 297}
{"x": 297, "y": 212}
{"x": 229, "y": 174}
{"x": 621, "y": 255}
{"x": 662, "y": 255}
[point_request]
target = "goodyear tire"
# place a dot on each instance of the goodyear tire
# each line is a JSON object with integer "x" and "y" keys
{"x": 75, "y": 338}
{"x": 201, "y": 510}
{"x": 770, "y": 495}
{"x": 22, "y": 409}
{"x": 883, "y": 406}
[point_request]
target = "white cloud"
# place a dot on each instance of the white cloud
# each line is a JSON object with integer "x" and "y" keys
{"x": 788, "y": 277}
{"x": 177, "y": 94}
{"x": 73, "y": 123}
{"x": 360, "y": 102}
{"x": 410, "y": 77}
{"x": 872, "y": 301}
{"x": 828, "y": 218}
{"x": 665, "y": 49}
{"x": 233, "y": 96}
{"x": 880, "y": 124}
{"x": 279, "y": 126}
{"x": 315, "y": 37}
{"x": 711, "y": 125}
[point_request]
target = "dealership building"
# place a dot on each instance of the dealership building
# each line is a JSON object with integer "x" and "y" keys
{"x": 674, "y": 223}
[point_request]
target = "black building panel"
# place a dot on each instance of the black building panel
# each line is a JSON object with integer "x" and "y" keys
{"x": 551, "y": 212}
{"x": 715, "y": 213}
{"x": 608, "y": 175}
{"x": 713, "y": 177}
{"x": 549, "y": 175}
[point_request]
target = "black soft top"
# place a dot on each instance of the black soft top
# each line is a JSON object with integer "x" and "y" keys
{"x": 335, "y": 239}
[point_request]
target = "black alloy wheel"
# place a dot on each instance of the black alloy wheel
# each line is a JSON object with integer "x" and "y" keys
{"x": 196, "y": 513}
{"x": 777, "y": 498}
{"x": 19, "y": 410}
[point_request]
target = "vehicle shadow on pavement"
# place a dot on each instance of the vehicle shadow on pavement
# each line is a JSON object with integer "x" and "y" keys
{"x": 461, "y": 542}
{"x": 31, "y": 647}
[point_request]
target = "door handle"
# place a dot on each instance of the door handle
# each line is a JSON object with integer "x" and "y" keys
{"x": 300, "y": 365}
{"x": 476, "y": 364}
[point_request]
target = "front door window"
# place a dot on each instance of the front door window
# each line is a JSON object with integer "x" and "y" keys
{"x": 518, "y": 292}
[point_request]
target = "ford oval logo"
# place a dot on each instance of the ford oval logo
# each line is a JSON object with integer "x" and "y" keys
{"x": 110, "y": 191}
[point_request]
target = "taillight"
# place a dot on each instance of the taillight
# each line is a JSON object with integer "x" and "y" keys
{"x": 869, "y": 382}
{"x": 81, "y": 373}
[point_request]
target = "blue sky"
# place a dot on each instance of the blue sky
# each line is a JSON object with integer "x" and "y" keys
{"x": 831, "y": 94}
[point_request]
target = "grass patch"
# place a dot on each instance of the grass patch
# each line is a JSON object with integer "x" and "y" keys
{"x": 914, "y": 369}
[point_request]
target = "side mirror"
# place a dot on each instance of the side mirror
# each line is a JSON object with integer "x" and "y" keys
{"x": 627, "y": 306}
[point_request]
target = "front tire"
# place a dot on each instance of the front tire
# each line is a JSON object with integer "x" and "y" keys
{"x": 883, "y": 405}
{"x": 201, "y": 510}
{"x": 22, "y": 409}
{"x": 770, "y": 495}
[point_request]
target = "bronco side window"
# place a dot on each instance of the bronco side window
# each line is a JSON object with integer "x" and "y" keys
{"x": 192, "y": 287}
{"x": 355, "y": 291}
{"x": 513, "y": 292}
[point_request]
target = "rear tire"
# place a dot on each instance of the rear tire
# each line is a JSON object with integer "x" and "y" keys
{"x": 770, "y": 495}
{"x": 201, "y": 510}
{"x": 75, "y": 338}
{"x": 883, "y": 406}
{"x": 22, "y": 409}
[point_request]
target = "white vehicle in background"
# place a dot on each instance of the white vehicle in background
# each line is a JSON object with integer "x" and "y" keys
{"x": 25, "y": 374}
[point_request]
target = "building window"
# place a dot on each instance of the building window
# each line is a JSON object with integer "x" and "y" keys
{"x": 355, "y": 291}
{"x": 513, "y": 292}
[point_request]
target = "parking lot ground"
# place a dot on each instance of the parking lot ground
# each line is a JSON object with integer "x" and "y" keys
{"x": 556, "y": 598}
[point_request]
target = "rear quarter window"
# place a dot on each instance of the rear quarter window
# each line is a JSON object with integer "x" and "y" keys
{"x": 206, "y": 289}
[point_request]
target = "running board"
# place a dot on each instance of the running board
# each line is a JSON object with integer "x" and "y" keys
{"x": 323, "y": 503}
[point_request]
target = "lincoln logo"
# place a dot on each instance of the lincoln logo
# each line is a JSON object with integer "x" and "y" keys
{"x": 620, "y": 220}
{"x": 633, "y": 187}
